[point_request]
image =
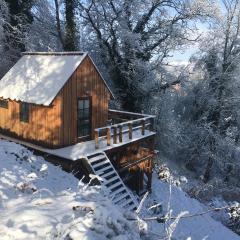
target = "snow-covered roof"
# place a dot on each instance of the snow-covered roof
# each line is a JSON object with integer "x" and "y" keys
{"x": 38, "y": 77}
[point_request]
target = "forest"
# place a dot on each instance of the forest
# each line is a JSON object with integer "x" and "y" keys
{"x": 134, "y": 43}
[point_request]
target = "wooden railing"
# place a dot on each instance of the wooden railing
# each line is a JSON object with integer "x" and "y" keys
{"x": 126, "y": 123}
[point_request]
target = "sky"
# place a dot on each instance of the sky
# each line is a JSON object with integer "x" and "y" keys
{"x": 182, "y": 56}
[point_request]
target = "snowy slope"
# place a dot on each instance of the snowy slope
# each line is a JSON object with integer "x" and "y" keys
{"x": 198, "y": 227}
{"x": 40, "y": 201}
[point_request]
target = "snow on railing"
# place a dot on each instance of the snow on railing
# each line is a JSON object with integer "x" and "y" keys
{"x": 116, "y": 131}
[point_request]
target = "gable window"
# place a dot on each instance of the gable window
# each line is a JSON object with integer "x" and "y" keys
{"x": 24, "y": 112}
{"x": 3, "y": 103}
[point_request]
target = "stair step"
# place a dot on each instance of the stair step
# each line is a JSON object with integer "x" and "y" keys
{"x": 106, "y": 175}
{"x": 116, "y": 192}
{"x": 131, "y": 207}
{"x": 100, "y": 164}
{"x": 120, "y": 197}
{"x": 126, "y": 203}
{"x": 115, "y": 185}
{"x": 112, "y": 180}
{"x": 97, "y": 158}
{"x": 103, "y": 170}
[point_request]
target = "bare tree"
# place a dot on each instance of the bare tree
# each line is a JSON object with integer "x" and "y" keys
{"x": 131, "y": 34}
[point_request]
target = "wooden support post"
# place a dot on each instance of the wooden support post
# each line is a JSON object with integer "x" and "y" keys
{"x": 120, "y": 133}
{"x": 130, "y": 130}
{"x": 109, "y": 136}
{"x": 96, "y": 136}
{"x": 152, "y": 122}
{"x": 114, "y": 135}
{"x": 149, "y": 174}
{"x": 143, "y": 127}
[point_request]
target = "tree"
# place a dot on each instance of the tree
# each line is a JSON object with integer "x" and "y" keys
{"x": 58, "y": 23}
{"x": 20, "y": 17}
{"x": 222, "y": 60}
{"x": 15, "y": 20}
{"x": 131, "y": 34}
{"x": 45, "y": 33}
{"x": 208, "y": 112}
{"x": 70, "y": 42}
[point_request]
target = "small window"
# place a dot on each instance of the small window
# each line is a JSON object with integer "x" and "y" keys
{"x": 24, "y": 112}
{"x": 3, "y": 103}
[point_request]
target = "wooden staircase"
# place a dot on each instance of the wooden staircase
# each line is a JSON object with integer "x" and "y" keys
{"x": 120, "y": 195}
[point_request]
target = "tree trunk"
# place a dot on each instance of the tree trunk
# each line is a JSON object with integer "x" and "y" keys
{"x": 58, "y": 25}
{"x": 209, "y": 166}
{"x": 70, "y": 35}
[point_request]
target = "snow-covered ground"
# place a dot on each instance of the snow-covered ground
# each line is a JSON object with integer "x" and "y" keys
{"x": 191, "y": 228}
{"x": 40, "y": 201}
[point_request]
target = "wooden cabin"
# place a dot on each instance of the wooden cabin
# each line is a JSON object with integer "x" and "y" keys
{"x": 58, "y": 103}
{"x": 53, "y": 100}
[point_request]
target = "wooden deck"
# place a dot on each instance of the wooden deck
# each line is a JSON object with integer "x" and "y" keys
{"x": 123, "y": 128}
{"x": 81, "y": 150}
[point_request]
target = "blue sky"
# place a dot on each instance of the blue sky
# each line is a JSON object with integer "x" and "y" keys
{"x": 183, "y": 56}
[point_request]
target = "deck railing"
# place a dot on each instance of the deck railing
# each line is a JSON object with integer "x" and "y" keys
{"x": 122, "y": 123}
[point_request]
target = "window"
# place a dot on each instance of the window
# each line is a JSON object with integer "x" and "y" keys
{"x": 84, "y": 117}
{"x": 24, "y": 112}
{"x": 3, "y": 103}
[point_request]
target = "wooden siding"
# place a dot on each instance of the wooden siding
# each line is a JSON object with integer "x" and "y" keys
{"x": 56, "y": 125}
{"x": 85, "y": 82}
{"x": 43, "y": 126}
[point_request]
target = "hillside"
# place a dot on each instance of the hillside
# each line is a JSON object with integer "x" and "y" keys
{"x": 40, "y": 201}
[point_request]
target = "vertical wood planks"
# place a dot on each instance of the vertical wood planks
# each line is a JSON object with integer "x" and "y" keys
{"x": 86, "y": 81}
{"x": 56, "y": 125}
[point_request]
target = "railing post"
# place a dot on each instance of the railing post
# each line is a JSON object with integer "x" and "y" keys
{"x": 96, "y": 136}
{"x": 120, "y": 133}
{"x": 130, "y": 130}
{"x": 114, "y": 135}
{"x": 143, "y": 127}
{"x": 108, "y": 136}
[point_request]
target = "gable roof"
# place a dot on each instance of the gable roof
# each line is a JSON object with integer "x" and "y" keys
{"x": 38, "y": 77}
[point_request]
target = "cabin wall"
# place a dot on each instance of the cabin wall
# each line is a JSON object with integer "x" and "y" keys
{"x": 84, "y": 82}
{"x": 43, "y": 127}
{"x": 56, "y": 125}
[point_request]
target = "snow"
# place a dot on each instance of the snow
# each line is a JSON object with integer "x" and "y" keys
{"x": 39, "y": 77}
{"x": 83, "y": 149}
{"x": 40, "y": 201}
{"x": 198, "y": 227}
